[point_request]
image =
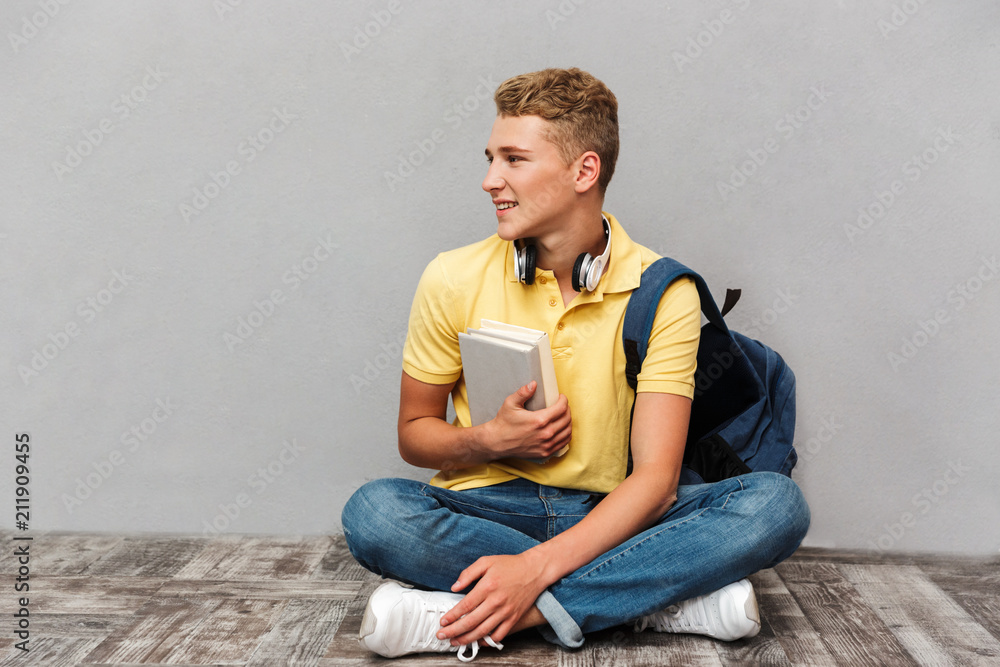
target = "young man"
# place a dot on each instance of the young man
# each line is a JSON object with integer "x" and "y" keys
{"x": 497, "y": 543}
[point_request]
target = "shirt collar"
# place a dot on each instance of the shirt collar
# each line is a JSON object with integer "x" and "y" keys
{"x": 625, "y": 265}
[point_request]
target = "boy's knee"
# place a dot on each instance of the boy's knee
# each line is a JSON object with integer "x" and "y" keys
{"x": 373, "y": 509}
{"x": 784, "y": 503}
{"x": 792, "y": 504}
{"x": 349, "y": 515}
{"x": 362, "y": 513}
{"x": 364, "y": 504}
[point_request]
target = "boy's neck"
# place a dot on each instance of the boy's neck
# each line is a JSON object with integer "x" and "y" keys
{"x": 558, "y": 251}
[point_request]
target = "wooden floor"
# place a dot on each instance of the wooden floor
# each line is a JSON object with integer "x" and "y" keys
{"x": 140, "y": 599}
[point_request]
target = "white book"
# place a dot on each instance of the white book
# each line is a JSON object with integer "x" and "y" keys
{"x": 500, "y": 358}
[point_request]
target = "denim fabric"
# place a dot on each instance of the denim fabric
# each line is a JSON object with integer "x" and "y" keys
{"x": 713, "y": 535}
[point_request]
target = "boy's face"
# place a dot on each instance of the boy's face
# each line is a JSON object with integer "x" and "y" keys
{"x": 527, "y": 179}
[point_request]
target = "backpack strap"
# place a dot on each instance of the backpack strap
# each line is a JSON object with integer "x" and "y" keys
{"x": 642, "y": 305}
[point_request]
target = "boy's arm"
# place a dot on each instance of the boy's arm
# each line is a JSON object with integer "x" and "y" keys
{"x": 427, "y": 440}
{"x": 509, "y": 585}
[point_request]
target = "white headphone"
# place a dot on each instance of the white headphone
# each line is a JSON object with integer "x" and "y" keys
{"x": 587, "y": 270}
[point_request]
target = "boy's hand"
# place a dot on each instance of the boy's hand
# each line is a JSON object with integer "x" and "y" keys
{"x": 530, "y": 434}
{"x": 507, "y": 588}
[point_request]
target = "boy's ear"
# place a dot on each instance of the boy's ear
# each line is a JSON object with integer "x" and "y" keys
{"x": 587, "y": 171}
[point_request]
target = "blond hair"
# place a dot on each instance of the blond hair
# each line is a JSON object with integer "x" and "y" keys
{"x": 582, "y": 110}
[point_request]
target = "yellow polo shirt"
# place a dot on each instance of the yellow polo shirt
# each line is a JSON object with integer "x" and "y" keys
{"x": 461, "y": 287}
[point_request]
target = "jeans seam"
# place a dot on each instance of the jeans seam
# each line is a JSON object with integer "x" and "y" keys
{"x": 656, "y": 534}
{"x": 549, "y": 517}
{"x": 423, "y": 492}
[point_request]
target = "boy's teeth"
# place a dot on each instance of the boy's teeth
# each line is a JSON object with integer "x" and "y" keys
{"x": 501, "y": 207}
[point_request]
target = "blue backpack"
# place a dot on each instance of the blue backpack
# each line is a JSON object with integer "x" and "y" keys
{"x": 743, "y": 414}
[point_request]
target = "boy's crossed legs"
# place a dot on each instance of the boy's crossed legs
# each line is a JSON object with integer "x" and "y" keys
{"x": 714, "y": 535}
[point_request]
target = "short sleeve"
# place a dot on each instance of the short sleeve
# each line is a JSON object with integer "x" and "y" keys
{"x": 431, "y": 353}
{"x": 672, "y": 355}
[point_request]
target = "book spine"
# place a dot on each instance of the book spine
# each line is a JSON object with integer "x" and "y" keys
{"x": 547, "y": 371}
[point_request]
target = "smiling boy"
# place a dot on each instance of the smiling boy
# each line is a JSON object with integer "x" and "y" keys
{"x": 497, "y": 543}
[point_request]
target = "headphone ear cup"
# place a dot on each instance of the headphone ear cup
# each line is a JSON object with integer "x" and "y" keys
{"x": 593, "y": 274}
{"x": 529, "y": 265}
{"x": 578, "y": 269}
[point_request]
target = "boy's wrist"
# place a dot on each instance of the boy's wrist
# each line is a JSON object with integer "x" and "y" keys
{"x": 484, "y": 441}
{"x": 546, "y": 562}
{"x": 477, "y": 442}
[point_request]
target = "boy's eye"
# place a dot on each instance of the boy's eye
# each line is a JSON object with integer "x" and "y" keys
{"x": 510, "y": 158}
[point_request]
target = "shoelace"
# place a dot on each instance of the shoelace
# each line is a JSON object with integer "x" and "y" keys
{"x": 675, "y": 618}
{"x": 423, "y": 634}
{"x": 475, "y": 648}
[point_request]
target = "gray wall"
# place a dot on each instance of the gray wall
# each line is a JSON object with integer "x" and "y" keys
{"x": 215, "y": 213}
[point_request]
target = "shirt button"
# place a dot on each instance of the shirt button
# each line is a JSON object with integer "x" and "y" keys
{"x": 543, "y": 280}
{"x": 561, "y": 326}
{"x": 552, "y": 302}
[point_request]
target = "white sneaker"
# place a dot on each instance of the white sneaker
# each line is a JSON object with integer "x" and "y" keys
{"x": 400, "y": 620}
{"x": 729, "y": 613}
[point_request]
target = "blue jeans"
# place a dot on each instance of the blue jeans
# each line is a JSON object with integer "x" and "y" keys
{"x": 713, "y": 535}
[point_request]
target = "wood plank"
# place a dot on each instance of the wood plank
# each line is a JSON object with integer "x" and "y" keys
{"x": 338, "y": 563}
{"x": 872, "y": 557}
{"x": 49, "y": 651}
{"x": 853, "y": 556}
{"x": 621, "y": 647}
{"x": 527, "y": 649}
{"x": 985, "y": 609}
{"x": 261, "y": 590}
{"x": 520, "y": 652}
{"x": 487, "y": 656}
{"x": 230, "y": 634}
{"x": 344, "y": 644}
{"x": 344, "y": 647}
{"x": 975, "y": 586}
{"x": 154, "y": 632}
{"x": 932, "y": 626}
{"x": 764, "y": 650}
{"x": 214, "y": 551}
{"x": 301, "y": 635}
{"x": 255, "y": 558}
{"x": 69, "y": 554}
{"x": 147, "y": 557}
{"x": 76, "y": 626}
{"x": 781, "y": 614}
{"x": 91, "y": 595}
{"x": 761, "y": 650}
{"x": 852, "y": 632}
{"x": 979, "y": 577}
